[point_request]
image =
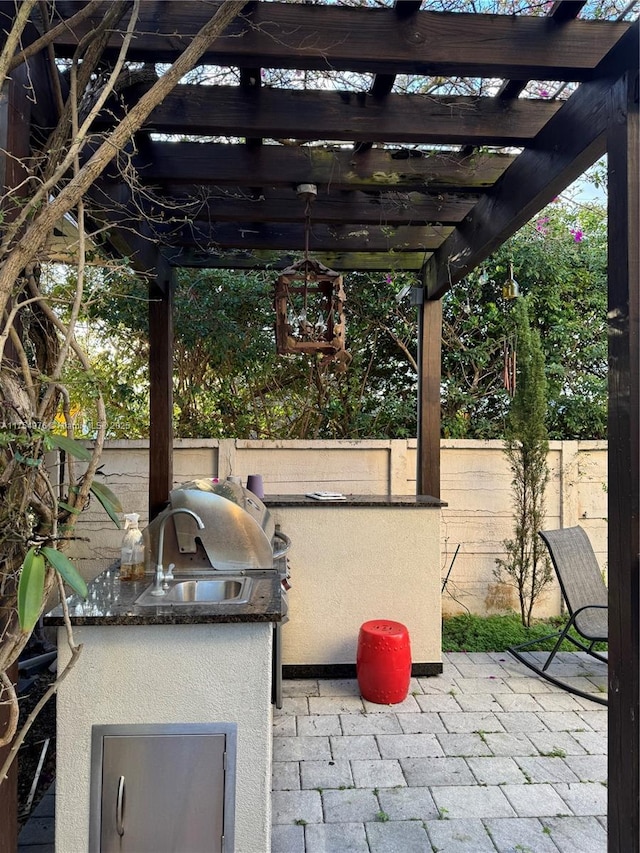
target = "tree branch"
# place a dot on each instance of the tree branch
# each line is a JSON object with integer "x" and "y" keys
{"x": 35, "y": 234}
{"x": 13, "y": 38}
{"x": 51, "y": 35}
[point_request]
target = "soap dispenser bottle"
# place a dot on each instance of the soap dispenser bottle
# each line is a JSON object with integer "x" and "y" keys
{"x": 132, "y": 550}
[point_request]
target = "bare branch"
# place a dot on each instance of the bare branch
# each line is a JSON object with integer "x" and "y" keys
{"x": 12, "y": 701}
{"x": 51, "y": 35}
{"x": 57, "y": 141}
{"x": 13, "y": 38}
{"x": 35, "y": 234}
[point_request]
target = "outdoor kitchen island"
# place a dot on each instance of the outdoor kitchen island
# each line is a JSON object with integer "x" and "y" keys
{"x": 203, "y": 664}
{"x": 355, "y": 559}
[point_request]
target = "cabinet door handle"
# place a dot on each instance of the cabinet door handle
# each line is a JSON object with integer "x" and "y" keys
{"x": 120, "y": 807}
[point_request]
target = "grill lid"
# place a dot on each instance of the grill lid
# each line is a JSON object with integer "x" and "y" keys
{"x": 237, "y": 535}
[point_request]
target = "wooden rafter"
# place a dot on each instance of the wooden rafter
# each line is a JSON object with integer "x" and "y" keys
{"x": 571, "y": 142}
{"x": 383, "y": 83}
{"x": 264, "y": 260}
{"x": 335, "y": 168}
{"x": 306, "y": 36}
{"x": 561, "y": 11}
{"x": 290, "y": 237}
{"x": 277, "y": 205}
{"x": 290, "y": 114}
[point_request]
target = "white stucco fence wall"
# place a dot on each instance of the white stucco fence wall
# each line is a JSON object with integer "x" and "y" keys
{"x": 475, "y": 483}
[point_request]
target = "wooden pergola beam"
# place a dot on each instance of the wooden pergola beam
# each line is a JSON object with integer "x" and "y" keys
{"x": 322, "y": 238}
{"x": 429, "y": 378}
{"x": 284, "y": 166}
{"x": 160, "y": 390}
{"x": 561, "y": 12}
{"x": 308, "y": 37}
{"x": 307, "y": 115}
{"x": 382, "y": 84}
{"x": 265, "y": 260}
{"x": 280, "y": 206}
{"x": 623, "y": 431}
{"x": 571, "y": 142}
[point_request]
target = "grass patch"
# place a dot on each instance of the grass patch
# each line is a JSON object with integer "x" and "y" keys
{"x": 471, "y": 633}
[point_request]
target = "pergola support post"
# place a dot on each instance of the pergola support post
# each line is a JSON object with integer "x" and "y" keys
{"x": 15, "y": 118}
{"x": 624, "y": 468}
{"x": 160, "y": 393}
{"x": 429, "y": 374}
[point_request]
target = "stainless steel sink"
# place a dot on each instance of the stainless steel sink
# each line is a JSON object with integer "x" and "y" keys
{"x": 199, "y": 591}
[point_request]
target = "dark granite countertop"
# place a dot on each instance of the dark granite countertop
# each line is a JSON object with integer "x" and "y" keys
{"x": 110, "y": 602}
{"x": 356, "y": 501}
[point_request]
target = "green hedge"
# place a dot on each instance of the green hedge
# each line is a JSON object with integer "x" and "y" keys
{"x": 470, "y": 633}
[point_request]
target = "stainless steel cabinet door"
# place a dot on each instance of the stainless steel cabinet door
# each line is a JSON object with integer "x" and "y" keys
{"x": 163, "y": 793}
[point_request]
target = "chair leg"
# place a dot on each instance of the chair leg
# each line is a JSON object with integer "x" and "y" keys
{"x": 558, "y": 636}
{"x": 516, "y": 652}
{"x": 557, "y": 645}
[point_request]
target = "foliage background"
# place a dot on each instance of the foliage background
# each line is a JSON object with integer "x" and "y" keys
{"x": 230, "y": 383}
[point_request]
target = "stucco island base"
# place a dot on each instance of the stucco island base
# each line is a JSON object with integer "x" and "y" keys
{"x": 167, "y": 674}
{"x": 354, "y": 562}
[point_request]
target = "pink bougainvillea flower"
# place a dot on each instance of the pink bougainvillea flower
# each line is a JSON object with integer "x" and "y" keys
{"x": 388, "y": 278}
{"x": 541, "y": 225}
{"x": 578, "y": 234}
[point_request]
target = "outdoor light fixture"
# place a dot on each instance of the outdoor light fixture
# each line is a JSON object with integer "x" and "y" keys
{"x": 510, "y": 289}
{"x": 309, "y": 299}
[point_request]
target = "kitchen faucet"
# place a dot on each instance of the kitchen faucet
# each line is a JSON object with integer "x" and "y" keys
{"x": 159, "y": 575}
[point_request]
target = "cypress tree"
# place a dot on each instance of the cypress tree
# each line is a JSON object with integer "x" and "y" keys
{"x": 526, "y": 565}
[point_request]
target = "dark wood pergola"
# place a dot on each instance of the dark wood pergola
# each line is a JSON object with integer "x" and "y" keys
{"x": 407, "y": 180}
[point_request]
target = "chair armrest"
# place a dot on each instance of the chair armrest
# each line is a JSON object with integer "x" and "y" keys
{"x": 588, "y": 607}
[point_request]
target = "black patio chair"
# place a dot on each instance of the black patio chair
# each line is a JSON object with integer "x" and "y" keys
{"x": 585, "y": 595}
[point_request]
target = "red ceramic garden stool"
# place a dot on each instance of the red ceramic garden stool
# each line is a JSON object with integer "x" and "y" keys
{"x": 383, "y": 663}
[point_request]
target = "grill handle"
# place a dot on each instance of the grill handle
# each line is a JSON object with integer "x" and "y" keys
{"x": 286, "y": 544}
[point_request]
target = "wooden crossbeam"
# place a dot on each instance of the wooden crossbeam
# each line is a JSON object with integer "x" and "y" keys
{"x": 308, "y": 115}
{"x": 256, "y": 260}
{"x": 561, "y": 12}
{"x": 339, "y": 169}
{"x": 570, "y": 143}
{"x": 383, "y": 83}
{"x": 284, "y": 206}
{"x": 305, "y": 36}
{"x": 290, "y": 237}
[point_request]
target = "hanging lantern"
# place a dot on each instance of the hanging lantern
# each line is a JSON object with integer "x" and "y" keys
{"x": 309, "y": 303}
{"x": 309, "y": 299}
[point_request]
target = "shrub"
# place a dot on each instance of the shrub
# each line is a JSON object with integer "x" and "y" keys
{"x": 471, "y": 633}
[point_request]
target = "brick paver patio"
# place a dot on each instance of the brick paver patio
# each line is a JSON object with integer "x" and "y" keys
{"x": 485, "y": 757}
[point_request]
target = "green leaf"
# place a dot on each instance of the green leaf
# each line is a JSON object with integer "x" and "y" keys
{"x": 108, "y": 500}
{"x": 69, "y": 508}
{"x": 27, "y": 460}
{"x": 30, "y": 590}
{"x": 70, "y": 445}
{"x": 63, "y": 565}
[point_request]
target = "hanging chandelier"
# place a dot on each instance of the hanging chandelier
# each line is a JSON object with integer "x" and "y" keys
{"x": 309, "y": 300}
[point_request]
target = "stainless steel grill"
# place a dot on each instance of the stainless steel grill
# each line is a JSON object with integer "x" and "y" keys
{"x": 239, "y": 534}
{"x": 239, "y": 537}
